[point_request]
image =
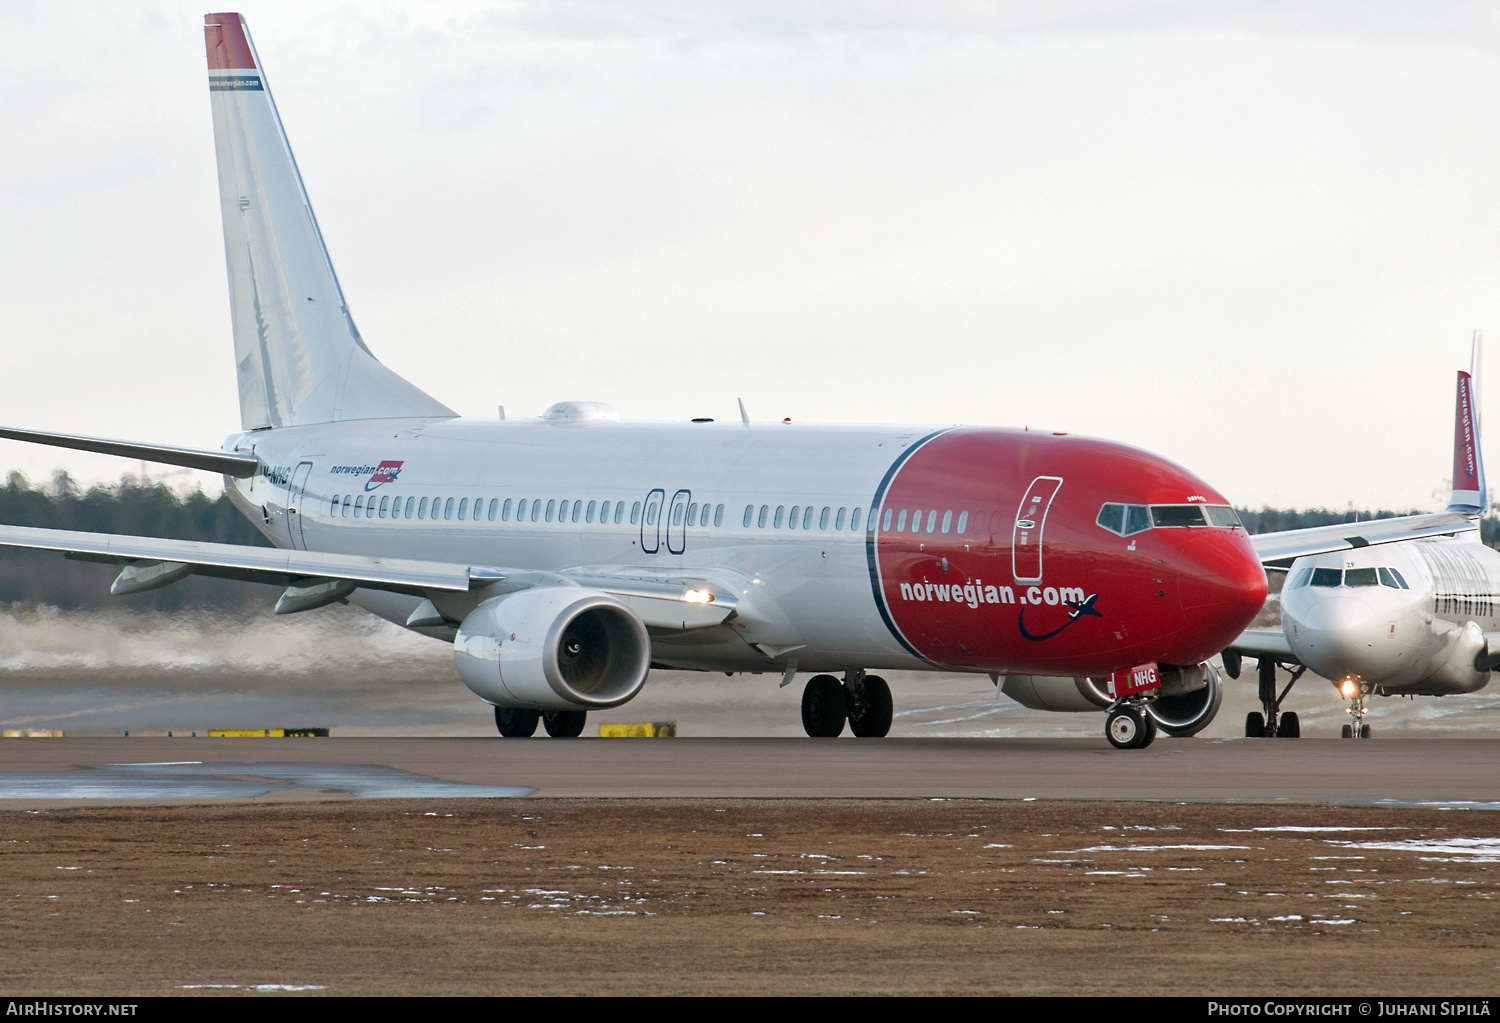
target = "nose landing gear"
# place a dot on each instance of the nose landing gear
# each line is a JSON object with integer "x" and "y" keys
{"x": 1129, "y": 726}
{"x": 1355, "y": 692}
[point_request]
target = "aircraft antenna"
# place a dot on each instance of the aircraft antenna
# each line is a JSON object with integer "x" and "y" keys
{"x": 744, "y": 416}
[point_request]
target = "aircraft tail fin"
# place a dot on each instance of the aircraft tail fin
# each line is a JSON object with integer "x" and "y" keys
{"x": 298, "y": 356}
{"x": 1470, "y": 495}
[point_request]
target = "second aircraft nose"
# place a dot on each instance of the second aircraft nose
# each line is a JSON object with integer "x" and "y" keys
{"x": 1336, "y": 635}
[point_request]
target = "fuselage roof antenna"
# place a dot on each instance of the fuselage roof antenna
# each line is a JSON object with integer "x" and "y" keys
{"x": 744, "y": 416}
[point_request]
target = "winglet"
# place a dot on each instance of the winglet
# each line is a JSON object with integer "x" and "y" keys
{"x": 1470, "y": 496}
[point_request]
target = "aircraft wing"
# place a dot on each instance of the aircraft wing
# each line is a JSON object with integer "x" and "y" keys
{"x": 1297, "y": 543}
{"x": 315, "y": 578}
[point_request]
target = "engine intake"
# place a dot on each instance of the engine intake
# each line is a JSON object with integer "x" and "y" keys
{"x": 553, "y": 648}
{"x": 1189, "y": 700}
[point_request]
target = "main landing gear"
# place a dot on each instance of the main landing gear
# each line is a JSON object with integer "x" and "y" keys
{"x": 1355, "y": 692}
{"x": 1270, "y": 722}
{"x": 863, "y": 701}
{"x": 521, "y": 724}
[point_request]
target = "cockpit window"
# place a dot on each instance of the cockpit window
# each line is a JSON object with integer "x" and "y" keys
{"x": 1395, "y": 578}
{"x": 1168, "y": 515}
{"x": 1360, "y": 577}
{"x": 1112, "y": 518}
{"x": 1301, "y": 580}
{"x": 1124, "y": 519}
{"x": 1222, "y": 515}
{"x": 1327, "y": 576}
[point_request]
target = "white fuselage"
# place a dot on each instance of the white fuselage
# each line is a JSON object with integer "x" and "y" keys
{"x": 1404, "y": 618}
{"x": 804, "y": 593}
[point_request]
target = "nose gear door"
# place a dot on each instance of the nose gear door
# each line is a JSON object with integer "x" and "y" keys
{"x": 1031, "y": 519}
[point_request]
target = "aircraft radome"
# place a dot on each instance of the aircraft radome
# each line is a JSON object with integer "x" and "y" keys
{"x": 565, "y": 556}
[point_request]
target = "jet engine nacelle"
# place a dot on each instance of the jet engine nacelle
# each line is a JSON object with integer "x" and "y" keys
{"x": 1189, "y": 700}
{"x": 1056, "y": 692}
{"x": 553, "y": 648}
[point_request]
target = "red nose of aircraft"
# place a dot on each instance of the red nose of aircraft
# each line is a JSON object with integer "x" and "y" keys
{"x": 1222, "y": 586}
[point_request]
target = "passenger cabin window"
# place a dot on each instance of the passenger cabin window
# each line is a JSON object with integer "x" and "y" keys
{"x": 780, "y": 516}
{"x": 887, "y": 523}
{"x": 807, "y": 514}
{"x": 463, "y": 508}
{"x": 823, "y": 518}
{"x": 422, "y": 509}
{"x": 536, "y": 509}
{"x": 749, "y": 510}
{"x": 838, "y": 520}
{"x": 495, "y": 507}
{"x": 635, "y": 513}
{"x": 1327, "y": 576}
{"x": 931, "y": 520}
{"x": 760, "y": 521}
{"x": 448, "y": 509}
{"x": 1360, "y": 577}
{"x": 963, "y": 522}
{"x": 588, "y": 514}
{"x": 577, "y": 510}
{"x": 409, "y": 502}
{"x": 383, "y": 501}
{"x": 900, "y": 520}
{"x": 854, "y": 522}
{"x": 718, "y": 516}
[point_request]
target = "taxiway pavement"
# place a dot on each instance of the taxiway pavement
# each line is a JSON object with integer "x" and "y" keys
{"x": 1375, "y": 772}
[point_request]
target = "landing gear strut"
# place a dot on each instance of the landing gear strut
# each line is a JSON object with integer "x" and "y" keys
{"x": 1273, "y": 722}
{"x": 1130, "y": 727}
{"x": 869, "y": 701}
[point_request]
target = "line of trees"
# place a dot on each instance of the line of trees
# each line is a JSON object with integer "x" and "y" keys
{"x": 29, "y": 578}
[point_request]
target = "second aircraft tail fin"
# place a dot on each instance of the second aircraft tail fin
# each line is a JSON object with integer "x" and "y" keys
{"x": 1470, "y": 495}
{"x": 298, "y": 356}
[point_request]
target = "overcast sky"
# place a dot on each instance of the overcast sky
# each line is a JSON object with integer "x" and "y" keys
{"x": 1251, "y": 237}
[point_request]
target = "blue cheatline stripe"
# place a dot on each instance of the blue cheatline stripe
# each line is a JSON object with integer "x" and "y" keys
{"x": 235, "y": 83}
{"x": 870, "y": 526}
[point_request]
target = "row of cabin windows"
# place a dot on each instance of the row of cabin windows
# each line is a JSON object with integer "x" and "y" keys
{"x": 800, "y": 516}
{"x": 933, "y": 524}
{"x": 524, "y": 509}
{"x": 449, "y": 508}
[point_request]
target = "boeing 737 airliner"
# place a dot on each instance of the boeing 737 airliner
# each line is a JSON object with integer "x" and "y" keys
{"x": 565, "y": 556}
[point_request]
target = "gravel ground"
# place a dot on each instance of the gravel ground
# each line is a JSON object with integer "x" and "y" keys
{"x": 750, "y": 897}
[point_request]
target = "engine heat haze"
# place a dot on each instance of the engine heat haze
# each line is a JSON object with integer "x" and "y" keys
{"x": 566, "y": 555}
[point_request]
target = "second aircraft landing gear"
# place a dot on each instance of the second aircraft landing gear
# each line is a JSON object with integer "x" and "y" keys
{"x": 862, "y": 701}
{"x": 1270, "y": 721}
{"x": 1355, "y": 692}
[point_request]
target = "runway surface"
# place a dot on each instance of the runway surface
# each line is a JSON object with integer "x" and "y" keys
{"x": 1375, "y": 772}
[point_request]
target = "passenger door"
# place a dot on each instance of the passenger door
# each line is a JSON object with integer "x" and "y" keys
{"x": 677, "y": 522}
{"x": 1031, "y": 520}
{"x": 651, "y": 522}
{"x": 294, "y": 505}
